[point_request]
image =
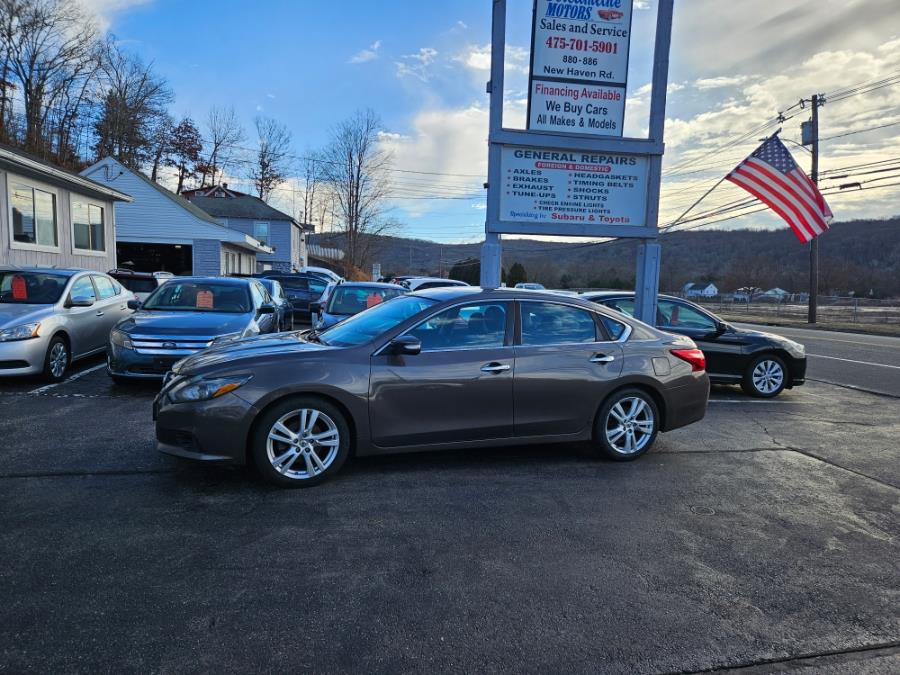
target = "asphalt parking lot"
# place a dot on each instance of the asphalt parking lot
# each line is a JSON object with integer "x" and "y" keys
{"x": 763, "y": 539}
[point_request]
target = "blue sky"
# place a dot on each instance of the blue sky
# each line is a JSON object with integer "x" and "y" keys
{"x": 422, "y": 66}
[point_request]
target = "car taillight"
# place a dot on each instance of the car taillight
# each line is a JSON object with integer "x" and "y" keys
{"x": 693, "y": 356}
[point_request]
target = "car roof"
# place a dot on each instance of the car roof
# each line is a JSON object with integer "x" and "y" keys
{"x": 369, "y": 284}
{"x": 449, "y": 293}
{"x": 620, "y": 294}
{"x": 233, "y": 281}
{"x": 66, "y": 272}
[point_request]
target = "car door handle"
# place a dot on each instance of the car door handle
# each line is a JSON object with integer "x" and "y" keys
{"x": 99, "y": 313}
{"x": 602, "y": 358}
{"x": 494, "y": 367}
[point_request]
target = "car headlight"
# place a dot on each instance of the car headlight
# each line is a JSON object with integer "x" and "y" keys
{"x": 23, "y": 332}
{"x": 230, "y": 337}
{"x": 795, "y": 349}
{"x": 120, "y": 339}
{"x": 202, "y": 389}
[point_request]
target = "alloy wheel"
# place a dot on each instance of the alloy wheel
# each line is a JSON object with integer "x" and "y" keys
{"x": 59, "y": 359}
{"x": 303, "y": 443}
{"x": 768, "y": 376}
{"x": 630, "y": 425}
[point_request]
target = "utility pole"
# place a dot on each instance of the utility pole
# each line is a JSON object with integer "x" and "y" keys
{"x": 817, "y": 101}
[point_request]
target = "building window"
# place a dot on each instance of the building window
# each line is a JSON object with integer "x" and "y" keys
{"x": 88, "y": 227}
{"x": 33, "y": 215}
{"x": 261, "y": 233}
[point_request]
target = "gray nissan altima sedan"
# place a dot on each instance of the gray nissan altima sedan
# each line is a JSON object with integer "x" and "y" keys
{"x": 448, "y": 368}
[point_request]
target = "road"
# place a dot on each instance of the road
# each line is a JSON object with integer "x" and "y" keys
{"x": 867, "y": 362}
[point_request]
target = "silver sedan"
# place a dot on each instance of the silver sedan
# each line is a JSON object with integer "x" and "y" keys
{"x": 51, "y": 317}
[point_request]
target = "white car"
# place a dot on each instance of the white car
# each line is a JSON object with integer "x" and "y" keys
{"x": 529, "y": 286}
{"x": 422, "y": 283}
{"x": 322, "y": 272}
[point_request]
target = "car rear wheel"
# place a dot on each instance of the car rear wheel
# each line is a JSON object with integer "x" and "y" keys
{"x": 300, "y": 442}
{"x": 766, "y": 377}
{"x": 56, "y": 361}
{"x": 627, "y": 425}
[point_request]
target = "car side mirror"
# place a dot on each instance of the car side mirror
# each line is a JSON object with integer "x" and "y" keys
{"x": 721, "y": 327}
{"x": 81, "y": 301}
{"x": 406, "y": 345}
{"x": 266, "y": 309}
{"x": 315, "y": 307}
{"x": 134, "y": 304}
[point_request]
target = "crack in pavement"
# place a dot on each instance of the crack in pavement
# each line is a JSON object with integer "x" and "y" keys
{"x": 764, "y": 665}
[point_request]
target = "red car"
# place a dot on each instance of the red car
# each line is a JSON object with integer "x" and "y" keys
{"x": 610, "y": 14}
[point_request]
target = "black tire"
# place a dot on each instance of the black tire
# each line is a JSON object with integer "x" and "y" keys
{"x": 57, "y": 350}
{"x": 764, "y": 383}
{"x": 297, "y": 473}
{"x": 608, "y": 423}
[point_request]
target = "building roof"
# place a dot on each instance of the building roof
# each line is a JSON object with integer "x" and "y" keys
{"x": 234, "y": 204}
{"x": 222, "y": 232}
{"x": 23, "y": 163}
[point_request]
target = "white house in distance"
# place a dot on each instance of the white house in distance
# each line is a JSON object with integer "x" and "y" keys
{"x": 700, "y": 291}
{"x": 51, "y": 217}
{"x": 160, "y": 231}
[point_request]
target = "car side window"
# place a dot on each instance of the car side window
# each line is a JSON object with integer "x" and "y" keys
{"x": 83, "y": 288}
{"x": 104, "y": 287}
{"x": 614, "y": 329}
{"x": 317, "y": 286}
{"x": 256, "y": 290}
{"x": 625, "y": 306}
{"x": 547, "y": 323}
{"x": 478, "y": 326}
{"x": 679, "y": 315}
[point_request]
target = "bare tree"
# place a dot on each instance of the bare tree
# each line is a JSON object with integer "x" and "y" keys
{"x": 135, "y": 100}
{"x": 356, "y": 167}
{"x": 311, "y": 189}
{"x": 161, "y": 145}
{"x": 272, "y": 156}
{"x": 50, "y": 57}
{"x": 225, "y": 132}
{"x": 186, "y": 147}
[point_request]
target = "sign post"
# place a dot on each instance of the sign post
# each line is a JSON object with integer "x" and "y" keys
{"x": 571, "y": 173}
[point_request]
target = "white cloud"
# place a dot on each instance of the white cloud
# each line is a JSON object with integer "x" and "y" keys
{"x": 366, "y": 55}
{"x": 417, "y": 65}
{"x": 104, "y": 10}
{"x": 477, "y": 58}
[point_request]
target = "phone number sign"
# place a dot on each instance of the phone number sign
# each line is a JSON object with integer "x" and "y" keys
{"x": 563, "y": 187}
{"x": 584, "y": 44}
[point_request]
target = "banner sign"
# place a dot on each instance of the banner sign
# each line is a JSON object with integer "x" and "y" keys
{"x": 579, "y": 66}
{"x": 558, "y": 186}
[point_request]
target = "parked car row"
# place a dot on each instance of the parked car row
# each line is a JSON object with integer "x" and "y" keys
{"x": 388, "y": 367}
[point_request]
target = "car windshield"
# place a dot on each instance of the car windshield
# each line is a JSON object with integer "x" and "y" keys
{"x": 365, "y": 326}
{"x": 199, "y": 296}
{"x": 138, "y": 284}
{"x": 347, "y": 300}
{"x": 31, "y": 288}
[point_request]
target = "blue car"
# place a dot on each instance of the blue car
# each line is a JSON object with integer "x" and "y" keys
{"x": 182, "y": 317}
{"x": 352, "y": 297}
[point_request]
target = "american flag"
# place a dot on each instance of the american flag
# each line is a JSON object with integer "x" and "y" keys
{"x": 771, "y": 175}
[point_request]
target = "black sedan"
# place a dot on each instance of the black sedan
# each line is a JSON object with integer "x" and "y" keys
{"x": 764, "y": 364}
{"x": 447, "y": 368}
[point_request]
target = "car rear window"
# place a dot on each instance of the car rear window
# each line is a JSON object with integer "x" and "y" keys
{"x": 137, "y": 284}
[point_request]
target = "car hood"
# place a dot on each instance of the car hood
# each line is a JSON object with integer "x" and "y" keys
{"x": 13, "y": 314}
{"x": 747, "y": 332}
{"x": 201, "y": 324}
{"x": 249, "y": 348}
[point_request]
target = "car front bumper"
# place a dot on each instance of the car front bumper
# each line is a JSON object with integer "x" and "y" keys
{"x": 797, "y": 368}
{"x": 127, "y": 363}
{"x": 22, "y": 357}
{"x": 206, "y": 431}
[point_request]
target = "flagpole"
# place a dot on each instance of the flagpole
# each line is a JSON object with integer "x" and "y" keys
{"x": 814, "y": 244}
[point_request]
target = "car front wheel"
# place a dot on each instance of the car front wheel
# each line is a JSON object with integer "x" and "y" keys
{"x": 300, "y": 442}
{"x": 627, "y": 425}
{"x": 766, "y": 377}
{"x": 56, "y": 361}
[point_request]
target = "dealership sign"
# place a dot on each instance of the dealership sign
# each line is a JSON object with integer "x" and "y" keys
{"x": 579, "y": 66}
{"x": 556, "y": 187}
